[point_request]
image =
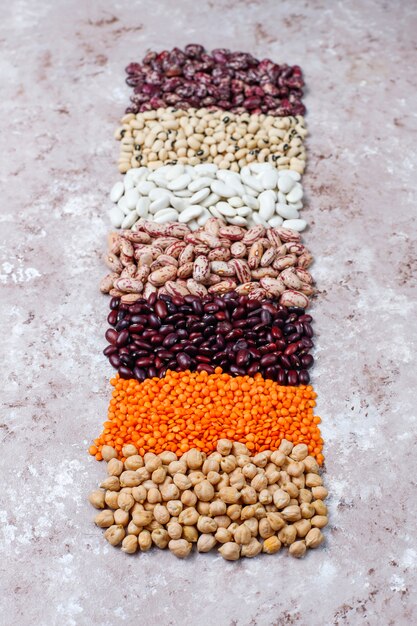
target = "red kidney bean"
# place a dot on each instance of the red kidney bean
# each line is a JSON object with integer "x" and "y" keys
{"x": 111, "y": 336}
{"x": 139, "y": 373}
{"x": 243, "y": 357}
{"x": 305, "y": 318}
{"x": 285, "y": 362}
{"x": 152, "y": 372}
{"x": 303, "y": 377}
{"x": 122, "y": 338}
{"x": 125, "y": 372}
{"x": 291, "y": 349}
{"x": 152, "y": 299}
{"x": 112, "y": 318}
{"x": 308, "y": 329}
{"x": 295, "y": 361}
{"x": 110, "y": 350}
{"x": 268, "y": 359}
{"x": 161, "y": 309}
{"x": 292, "y": 377}
{"x": 114, "y": 303}
{"x": 306, "y": 360}
{"x": 253, "y": 368}
{"x": 203, "y": 367}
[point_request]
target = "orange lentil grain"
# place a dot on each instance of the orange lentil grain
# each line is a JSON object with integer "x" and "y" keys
{"x": 196, "y": 409}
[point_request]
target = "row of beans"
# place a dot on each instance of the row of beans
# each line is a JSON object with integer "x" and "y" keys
{"x": 208, "y": 329}
{"x": 240, "y": 335}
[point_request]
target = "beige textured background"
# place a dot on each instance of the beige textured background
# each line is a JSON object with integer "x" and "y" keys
{"x": 62, "y": 85}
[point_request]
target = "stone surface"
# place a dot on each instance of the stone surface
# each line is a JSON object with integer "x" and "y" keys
{"x": 62, "y": 93}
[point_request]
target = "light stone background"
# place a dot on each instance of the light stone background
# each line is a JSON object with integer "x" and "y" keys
{"x": 62, "y": 85}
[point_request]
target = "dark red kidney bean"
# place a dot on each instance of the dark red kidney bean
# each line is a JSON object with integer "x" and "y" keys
{"x": 266, "y": 317}
{"x": 122, "y": 338}
{"x": 308, "y": 330}
{"x": 174, "y": 318}
{"x": 197, "y": 327}
{"x": 299, "y": 328}
{"x": 295, "y": 361}
{"x": 137, "y": 354}
{"x": 122, "y": 325}
{"x": 254, "y": 352}
{"x": 191, "y": 350}
{"x": 306, "y": 342}
{"x": 276, "y": 332}
{"x": 125, "y": 372}
{"x": 111, "y": 336}
{"x": 269, "y": 359}
{"x": 139, "y": 319}
{"x": 136, "y": 309}
{"x": 291, "y": 349}
{"x": 112, "y": 318}
{"x": 208, "y": 332}
{"x": 124, "y": 350}
{"x": 285, "y": 362}
{"x": 154, "y": 321}
{"x": 125, "y": 359}
{"x": 166, "y": 329}
{"x": 136, "y": 328}
{"x": 221, "y": 316}
{"x": 211, "y": 308}
{"x": 145, "y": 361}
{"x": 288, "y": 329}
{"x": 268, "y": 306}
{"x": 114, "y": 303}
{"x": 152, "y": 299}
{"x": 165, "y": 297}
{"x": 305, "y": 318}
{"x": 170, "y": 340}
{"x": 172, "y": 364}
{"x": 197, "y": 307}
{"x": 270, "y": 372}
{"x": 152, "y": 372}
{"x": 179, "y": 300}
{"x": 243, "y": 357}
{"x": 307, "y": 360}
{"x": 239, "y": 323}
{"x": 109, "y": 350}
{"x": 162, "y": 372}
{"x": 250, "y": 336}
{"x": 182, "y": 333}
{"x": 157, "y": 340}
{"x": 161, "y": 309}
{"x": 292, "y": 377}
{"x": 260, "y": 328}
{"x": 189, "y": 299}
{"x": 303, "y": 377}
{"x": 220, "y": 302}
{"x": 204, "y": 367}
{"x": 203, "y": 359}
{"x": 237, "y": 371}
{"x": 183, "y": 360}
{"x": 238, "y": 313}
{"x": 253, "y": 368}
{"x": 163, "y": 354}
{"x": 281, "y": 377}
{"x": 139, "y": 373}
{"x": 197, "y": 341}
{"x": 251, "y": 305}
{"x": 280, "y": 344}
{"x": 140, "y": 343}
{"x": 220, "y": 341}
{"x": 234, "y": 335}
{"x": 148, "y": 333}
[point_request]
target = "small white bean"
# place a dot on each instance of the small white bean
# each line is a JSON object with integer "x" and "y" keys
{"x": 285, "y": 184}
{"x": 130, "y": 219}
{"x": 116, "y": 216}
{"x": 165, "y": 215}
{"x": 117, "y": 191}
{"x": 142, "y": 207}
{"x": 295, "y": 194}
{"x": 179, "y": 183}
{"x": 200, "y": 195}
{"x": 190, "y": 213}
{"x": 145, "y": 186}
{"x": 297, "y": 224}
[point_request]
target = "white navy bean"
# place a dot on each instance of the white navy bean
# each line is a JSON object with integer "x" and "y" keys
{"x": 267, "y": 204}
{"x": 165, "y": 215}
{"x": 130, "y": 219}
{"x": 222, "y": 190}
{"x": 199, "y": 196}
{"x": 298, "y": 224}
{"x": 286, "y": 211}
{"x": 295, "y": 194}
{"x": 190, "y": 213}
{"x": 180, "y": 183}
{"x": 117, "y": 192}
{"x": 142, "y": 207}
{"x": 116, "y": 217}
{"x": 145, "y": 186}
{"x": 285, "y": 184}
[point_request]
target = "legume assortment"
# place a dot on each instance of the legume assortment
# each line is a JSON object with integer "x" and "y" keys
{"x": 211, "y": 436}
{"x": 259, "y": 194}
{"x": 241, "y": 336}
{"x": 196, "y": 409}
{"x": 239, "y": 503}
{"x": 171, "y": 136}
{"x": 228, "y": 80}
{"x": 217, "y": 258}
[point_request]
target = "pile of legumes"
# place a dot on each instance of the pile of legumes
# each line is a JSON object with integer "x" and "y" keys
{"x": 241, "y": 336}
{"x": 239, "y": 503}
{"x": 171, "y": 136}
{"x": 259, "y": 194}
{"x": 217, "y": 258}
{"x": 234, "y": 81}
{"x": 211, "y": 435}
{"x": 196, "y": 409}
